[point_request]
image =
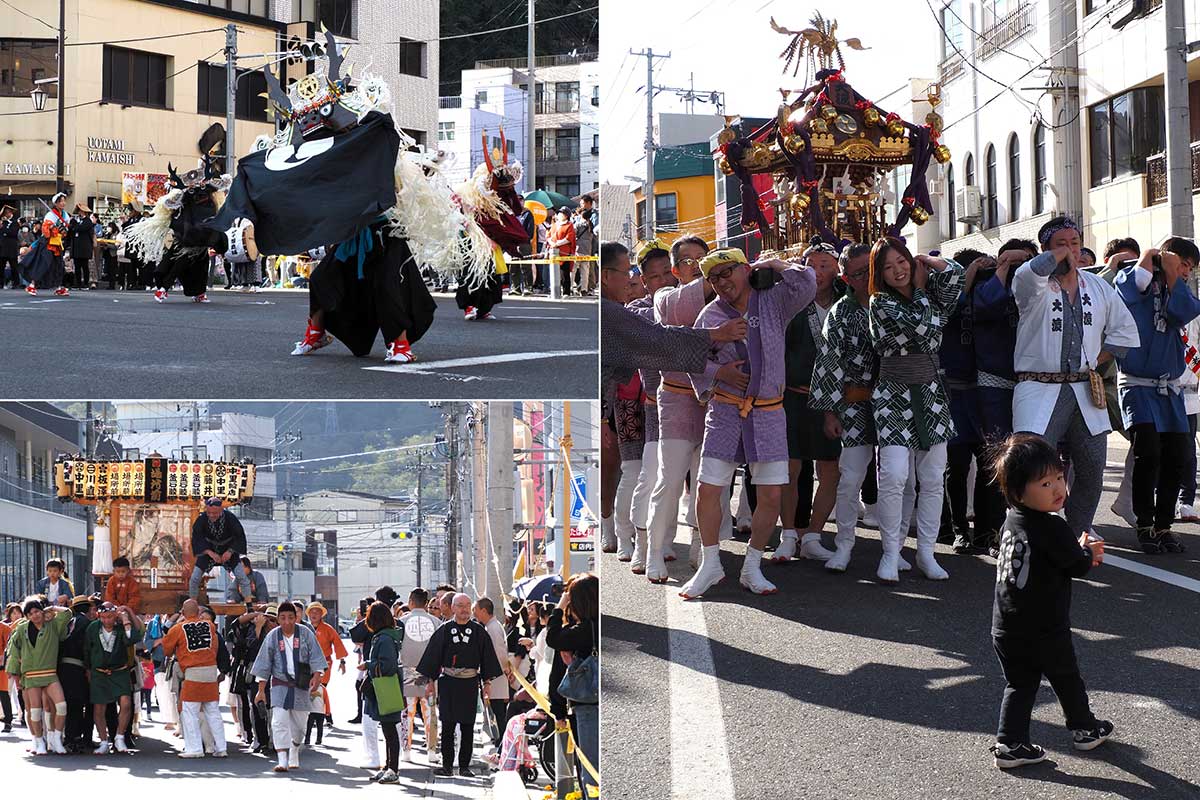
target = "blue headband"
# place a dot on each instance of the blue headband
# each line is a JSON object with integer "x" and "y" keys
{"x": 1045, "y": 234}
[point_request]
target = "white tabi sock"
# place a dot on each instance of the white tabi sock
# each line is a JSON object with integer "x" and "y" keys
{"x": 710, "y": 554}
{"x": 282, "y": 755}
{"x": 753, "y": 559}
{"x": 811, "y": 536}
{"x": 788, "y": 533}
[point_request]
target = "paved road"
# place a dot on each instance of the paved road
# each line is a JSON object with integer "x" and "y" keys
{"x": 336, "y": 765}
{"x": 841, "y": 688}
{"x": 123, "y": 344}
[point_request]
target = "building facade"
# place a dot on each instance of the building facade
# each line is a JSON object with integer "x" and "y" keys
{"x": 34, "y": 526}
{"x": 1013, "y": 131}
{"x": 485, "y": 110}
{"x": 1122, "y": 61}
{"x": 566, "y": 150}
{"x": 132, "y": 108}
{"x": 684, "y": 193}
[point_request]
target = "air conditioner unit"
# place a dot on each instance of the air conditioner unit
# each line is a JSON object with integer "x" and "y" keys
{"x": 934, "y": 186}
{"x": 968, "y": 205}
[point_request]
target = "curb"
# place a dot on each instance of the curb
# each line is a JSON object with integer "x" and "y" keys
{"x": 508, "y": 786}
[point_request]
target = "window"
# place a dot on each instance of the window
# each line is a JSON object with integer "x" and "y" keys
{"x": 996, "y": 10}
{"x": 666, "y": 212}
{"x": 194, "y": 453}
{"x": 480, "y": 98}
{"x": 542, "y": 101}
{"x": 445, "y": 131}
{"x": 1039, "y": 168}
{"x": 333, "y": 14}
{"x": 566, "y": 97}
{"x": 1124, "y": 131}
{"x": 595, "y": 144}
{"x": 372, "y": 562}
{"x": 131, "y": 454}
{"x": 567, "y": 142}
{"x": 567, "y": 184}
{"x": 412, "y": 58}
{"x": 1014, "y": 178}
{"x": 596, "y": 95}
{"x": 132, "y": 77}
{"x": 952, "y": 231}
{"x": 347, "y": 516}
{"x": 990, "y": 217}
{"x": 969, "y": 179}
{"x": 211, "y": 93}
{"x": 22, "y": 61}
{"x": 955, "y": 38}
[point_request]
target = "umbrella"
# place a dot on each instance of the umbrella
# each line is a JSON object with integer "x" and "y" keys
{"x": 539, "y": 588}
{"x": 551, "y": 199}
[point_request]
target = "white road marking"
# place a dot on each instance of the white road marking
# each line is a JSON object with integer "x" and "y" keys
{"x": 521, "y": 316}
{"x": 699, "y": 758}
{"x": 1157, "y": 574}
{"x": 423, "y": 366}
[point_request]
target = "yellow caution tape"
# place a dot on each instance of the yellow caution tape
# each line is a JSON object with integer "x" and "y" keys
{"x": 560, "y": 725}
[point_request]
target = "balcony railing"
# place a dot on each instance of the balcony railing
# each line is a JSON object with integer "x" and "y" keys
{"x": 950, "y": 68}
{"x": 563, "y": 151}
{"x": 1008, "y": 28}
{"x": 539, "y": 61}
{"x": 40, "y": 496}
{"x": 450, "y": 102}
{"x": 1156, "y": 175}
{"x": 162, "y": 424}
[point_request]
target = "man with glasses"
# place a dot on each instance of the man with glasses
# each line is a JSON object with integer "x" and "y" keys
{"x": 745, "y": 422}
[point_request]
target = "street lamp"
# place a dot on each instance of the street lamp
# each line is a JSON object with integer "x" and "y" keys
{"x": 39, "y": 98}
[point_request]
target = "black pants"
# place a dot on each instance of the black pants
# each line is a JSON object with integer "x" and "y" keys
{"x": 80, "y": 721}
{"x": 1024, "y": 662}
{"x": 6, "y": 703}
{"x": 456, "y": 708}
{"x": 8, "y": 265}
{"x": 1187, "y": 495}
{"x": 1159, "y": 461}
{"x": 358, "y": 690}
{"x": 804, "y": 496}
{"x": 147, "y": 701}
{"x": 262, "y": 728}
{"x": 500, "y": 714}
{"x": 870, "y": 487}
{"x": 391, "y": 744}
{"x": 989, "y": 503}
{"x": 82, "y": 274}
{"x": 315, "y": 721}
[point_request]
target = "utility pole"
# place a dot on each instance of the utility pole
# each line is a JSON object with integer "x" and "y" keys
{"x": 90, "y": 518}
{"x": 287, "y": 547}
{"x": 500, "y": 495}
{"x": 531, "y": 99}
{"x": 452, "y": 501}
{"x": 420, "y": 519}
{"x": 568, "y": 487}
{"x": 195, "y": 431}
{"x": 1179, "y": 148}
{"x": 59, "y": 180}
{"x": 231, "y": 98}
{"x": 648, "y": 188}
{"x": 479, "y": 497}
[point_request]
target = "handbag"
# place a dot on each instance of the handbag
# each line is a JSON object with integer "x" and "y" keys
{"x": 389, "y": 696}
{"x": 581, "y": 684}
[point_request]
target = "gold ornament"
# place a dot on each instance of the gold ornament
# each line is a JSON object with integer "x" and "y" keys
{"x": 793, "y": 144}
{"x": 798, "y": 204}
{"x": 895, "y": 127}
{"x": 919, "y": 215}
{"x": 941, "y": 153}
{"x": 819, "y": 126}
{"x": 724, "y": 166}
{"x": 829, "y": 113}
{"x": 871, "y": 116}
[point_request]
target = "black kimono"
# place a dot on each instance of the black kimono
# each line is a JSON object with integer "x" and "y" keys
{"x": 460, "y": 656}
{"x": 186, "y": 260}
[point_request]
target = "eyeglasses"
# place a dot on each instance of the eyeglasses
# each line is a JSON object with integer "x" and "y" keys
{"x": 688, "y": 262}
{"x": 724, "y": 274}
{"x": 858, "y": 276}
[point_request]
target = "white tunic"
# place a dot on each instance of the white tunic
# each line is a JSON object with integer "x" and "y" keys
{"x": 1039, "y": 342}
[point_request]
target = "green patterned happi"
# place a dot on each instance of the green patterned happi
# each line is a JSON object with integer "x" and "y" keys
{"x": 845, "y": 357}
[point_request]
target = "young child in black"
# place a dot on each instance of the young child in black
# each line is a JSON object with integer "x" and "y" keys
{"x": 1031, "y": 617}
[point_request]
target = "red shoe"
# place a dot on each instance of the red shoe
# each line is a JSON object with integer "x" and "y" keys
{"x": 314, "y": 339}
{"x": 471, "y": 313}
{"x": 399, "y": 352}
{"x": 62, "y": 291}
{"x": 31, "y": 290}
{"x": 201, "y": 298}
{"x": 160, "y": 295}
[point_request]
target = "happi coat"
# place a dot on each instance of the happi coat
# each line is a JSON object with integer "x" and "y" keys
{"x": 845, "y": 357}
{"x": 1159, "y": 314}
{"x": 913, "y": 415}
{"x": 680, "y": 414}
{"x": 762, "y": 434}
{"x": 1042, "y": 305}
{"x": 271, "y": 665}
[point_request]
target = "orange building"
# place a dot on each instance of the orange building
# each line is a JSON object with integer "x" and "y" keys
{"x": 684, "y": 193}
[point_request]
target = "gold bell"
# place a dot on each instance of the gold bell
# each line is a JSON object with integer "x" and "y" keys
{"x": 829, "y": 112}
{"x": 819, "y": 126}
{"x": 895, "y": 127}
{"x": 871, "y": 116}
{"x": 941, "y": 153}
{"x": 793, "y": 144}
{"x": 723, "y": 165}
{"x": 919, "y": 215}
{"x": 798, "y": 203}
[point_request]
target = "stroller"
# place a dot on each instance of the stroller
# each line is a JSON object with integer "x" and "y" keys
{"x": 528, "y": 741}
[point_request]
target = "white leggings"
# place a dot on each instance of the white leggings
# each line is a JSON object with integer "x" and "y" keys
{"x": 852, "y": 464}
{"x": 676, "y": 458}
{"x": 896, "y": 466}
{"x": 645, "y": 485}
{"x": 193, "y": 739}
{"x": 624, "y": 505}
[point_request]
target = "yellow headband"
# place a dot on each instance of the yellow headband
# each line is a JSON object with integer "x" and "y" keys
{"x": 728, "y": 255}
{"x": 645, "y": 248}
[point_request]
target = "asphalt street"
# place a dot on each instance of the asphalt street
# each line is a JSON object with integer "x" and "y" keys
{"x": 335, "y": 765}
{"x": 838, "y": 687}
{"x": 124, "y": 345}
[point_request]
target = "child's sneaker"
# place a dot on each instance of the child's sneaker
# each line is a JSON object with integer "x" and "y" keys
{"x": 1009, "y": 756}
{"x": 1092, "y": 738}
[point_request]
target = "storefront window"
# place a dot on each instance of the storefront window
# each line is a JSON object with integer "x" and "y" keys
{"x": 133, "y": 77}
